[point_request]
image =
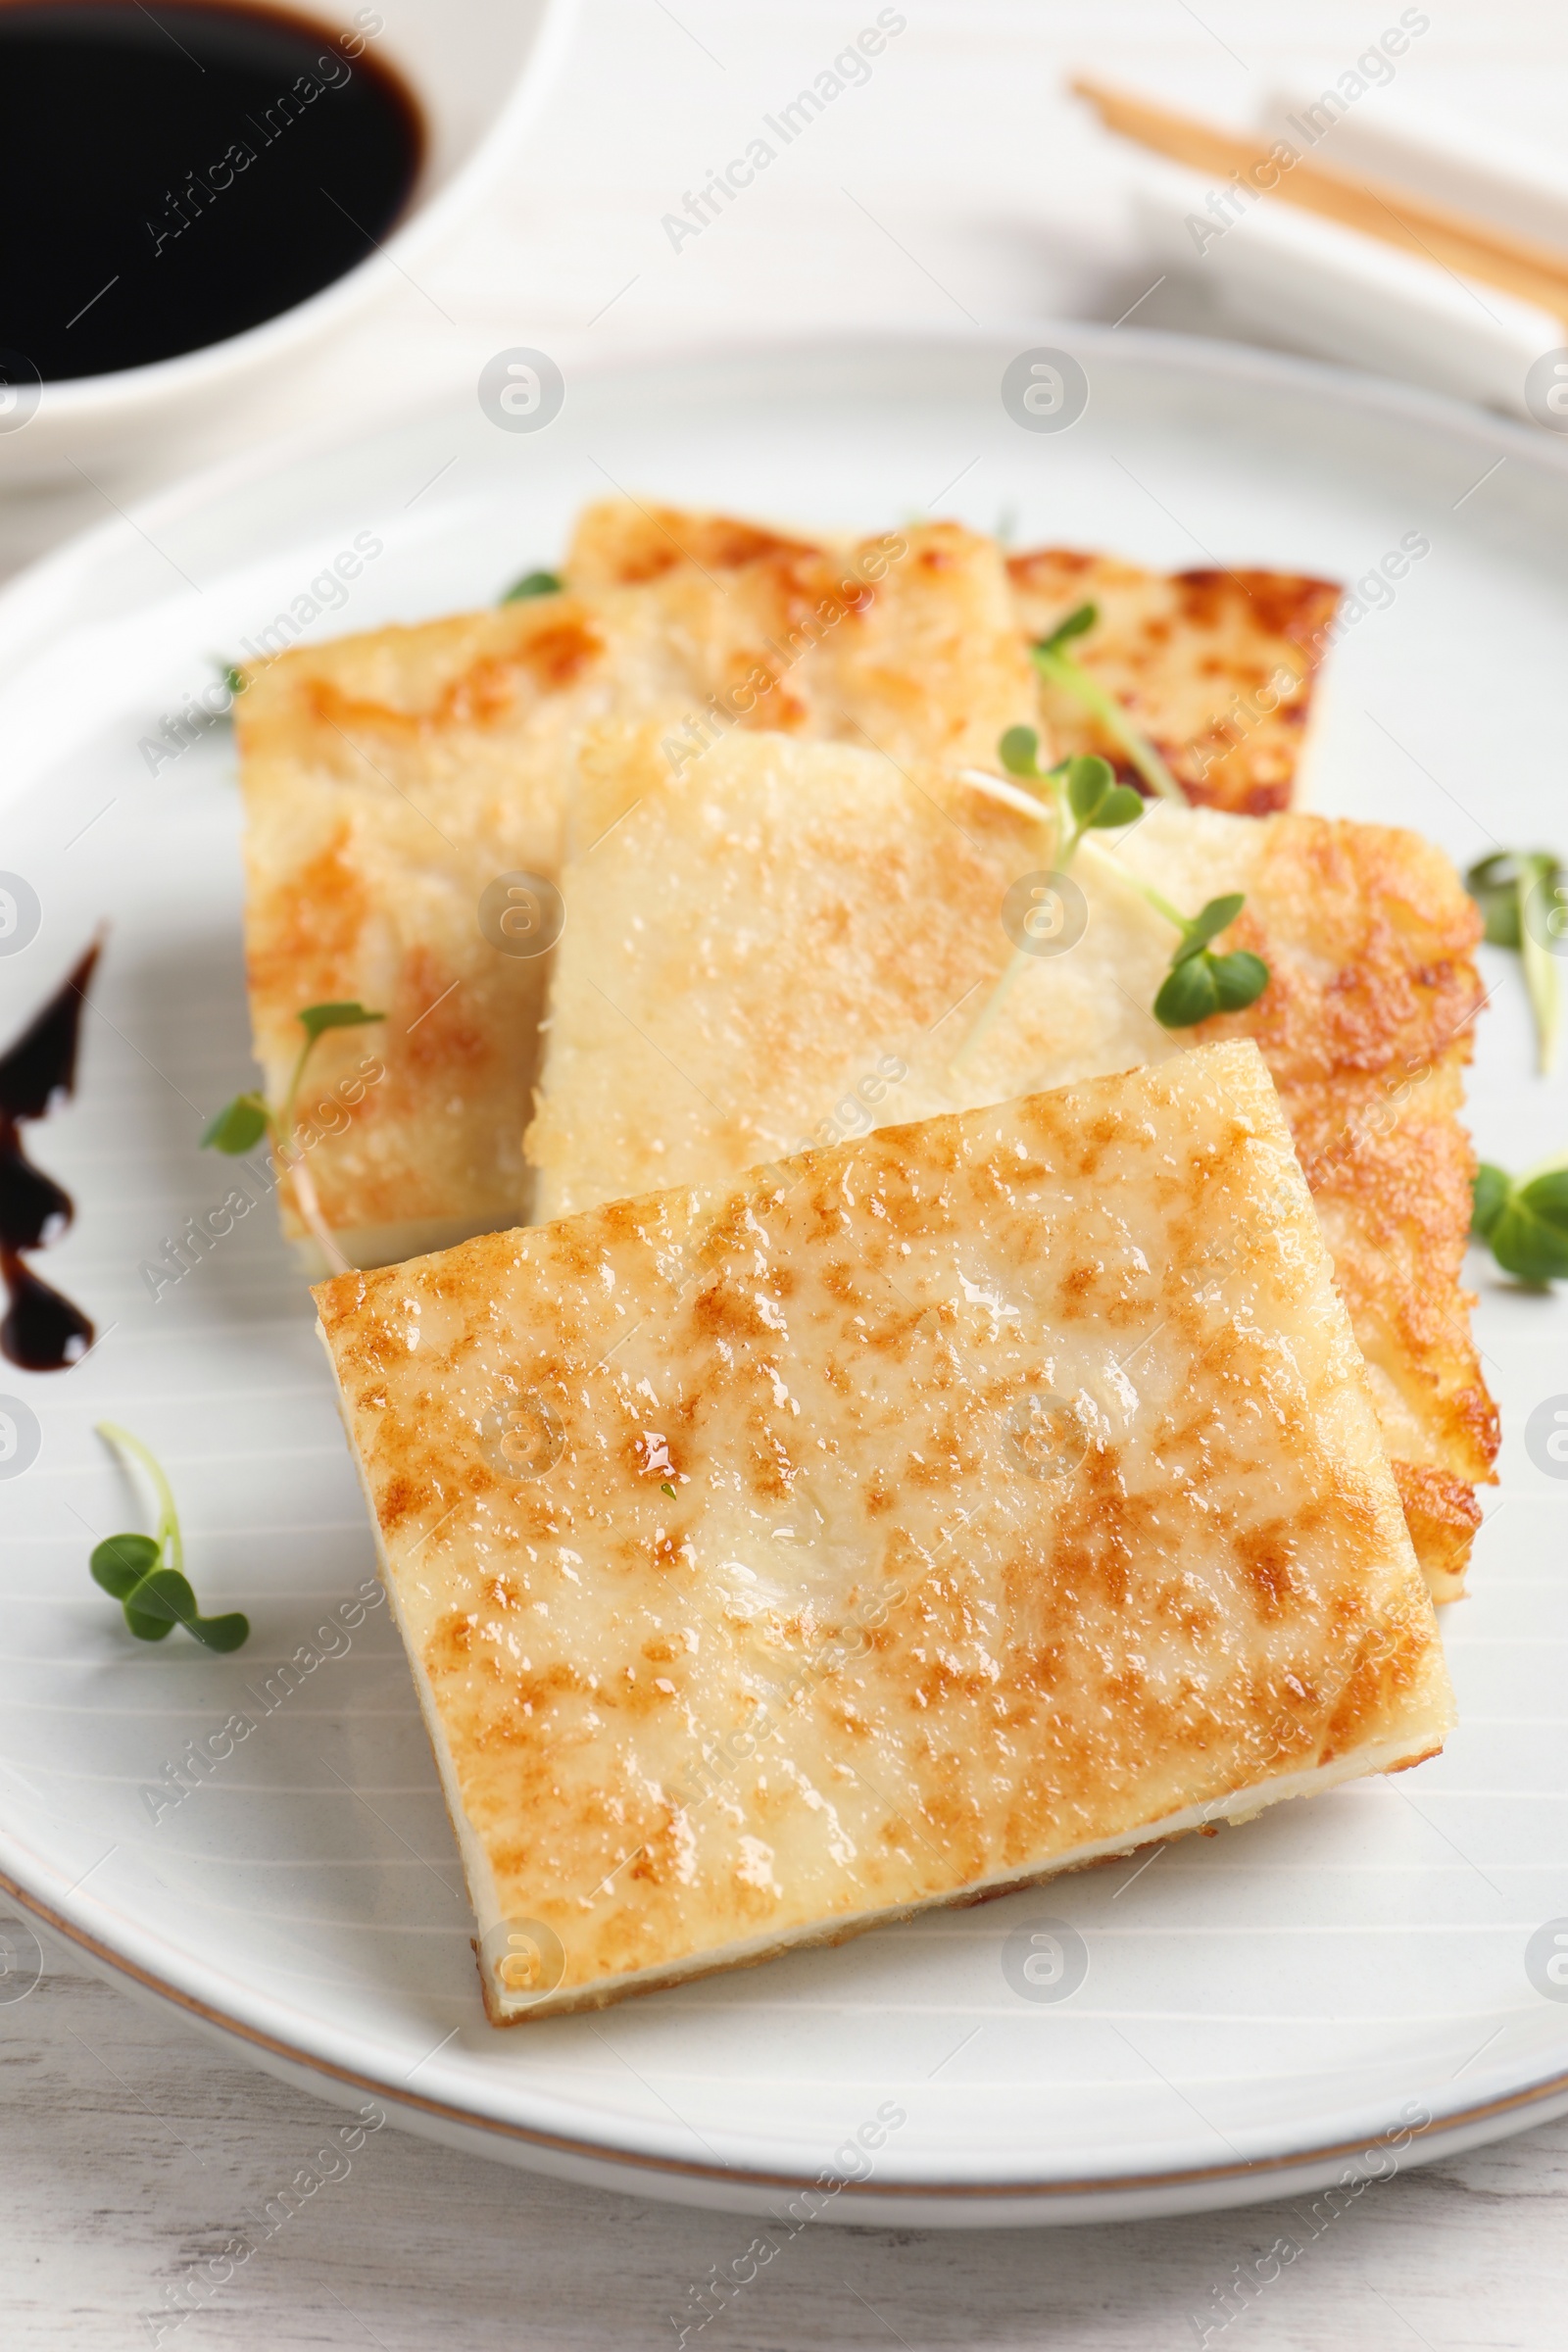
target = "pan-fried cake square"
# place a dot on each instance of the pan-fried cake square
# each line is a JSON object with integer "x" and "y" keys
{"x": 931, "y": 669}
{"x": 895, "y": 1527}
{"x": 1215, "y": 667}
{"x": 792, "y": 943}
{"x": 390, "y": 779}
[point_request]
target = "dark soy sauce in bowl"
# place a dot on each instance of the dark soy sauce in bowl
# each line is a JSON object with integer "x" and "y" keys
{"x": 175, "y": 173}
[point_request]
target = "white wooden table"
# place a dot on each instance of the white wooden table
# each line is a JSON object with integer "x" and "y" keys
{"x": 955, "y": 181}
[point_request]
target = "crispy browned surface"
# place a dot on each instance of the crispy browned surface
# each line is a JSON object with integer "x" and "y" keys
{"x": 1442, "y": 1516}
{"x": 390, "y": 777}
{"x": 1216, "y": 667}
{"x": 798, "y": 639}
{"x": 799, "y": 1626}
{"x": 1367, "y": 1024}
{"x": 738, "y": 968}
{"x": 620, "y": 543}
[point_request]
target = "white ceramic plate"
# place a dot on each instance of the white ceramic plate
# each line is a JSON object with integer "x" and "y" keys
{"x": 1259, "y": 2006}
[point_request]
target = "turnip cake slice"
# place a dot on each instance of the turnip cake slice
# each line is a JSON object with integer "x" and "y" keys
{"x": 1216, "y": 669}
{"x": 894, "y": 1527}
{"x": 405, "y": 792}
{"x": 792, "y": 943}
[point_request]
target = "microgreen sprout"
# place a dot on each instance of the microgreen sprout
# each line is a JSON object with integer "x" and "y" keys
{"x": 533, "y": 583}
{"x": 1524, "y": 1221}
{"x": 1510, "y": 887}
{"x": 666, "y": 1489}
{"x": 146, "y": 1574}
{"x": 1087, "y": 795}
{"x": 1060, "y": 668}
{"x": 242, "y": 1123}
{"x": 1080, "y": 796}
{"x": 233, "y": 679}
{"x": 1199, "y": 981}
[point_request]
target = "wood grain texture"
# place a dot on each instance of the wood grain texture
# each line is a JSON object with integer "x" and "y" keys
{"x": 132, "y": 2151}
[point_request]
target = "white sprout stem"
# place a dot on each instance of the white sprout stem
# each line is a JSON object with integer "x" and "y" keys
{"x": 990, "y": 1008}
{"x": 292, "y": 1156}
{"x": 169, "y": 1537}
{"x": 310, "y": 1209}
{"x": 1011, "y": 796}
{"x": 1106, "y": 862}
{"x": 1100, "y": 858}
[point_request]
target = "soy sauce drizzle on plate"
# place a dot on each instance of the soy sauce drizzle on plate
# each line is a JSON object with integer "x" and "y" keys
{"x": 42, "y": 1331}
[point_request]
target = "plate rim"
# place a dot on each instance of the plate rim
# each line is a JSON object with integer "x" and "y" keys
{"x": 1196, "y": 355}
{"x": 1172, "y": 2179}
{"x": 30, "y": 609}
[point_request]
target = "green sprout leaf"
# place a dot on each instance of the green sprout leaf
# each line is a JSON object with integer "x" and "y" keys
{"x": 120, "y": 1562}
{"x": 533, "y": 583}
{"x": 1094, "y": 797}
{"x": 1089, "y": 779}
{"x": 1240, "y": 979}
{"x": 1545, "y": 1196}
{"x": 146, "y": 1627}
{"x": 1087, "y": 797}
{"x": 1494, "y": 883}
{"x": 239, "y": 1127}
{"x": 221, "y": 1633}
{"x": 1215, "y": 917}
{"x": 146, "y": 1574}
{"x": 1524, "y": 1224}
{"x": 1488, "y": 1196}
{"x": 351, "y": 1014}
{"x": 667, "y": 1489}
{"x": 1121, "y": 805}
{"x": 233, "y": 679}
{"x": 1077, "y": 623}
{"x": 163, "y": 1596}
{"x": 1199, "y": 982}
{"x": 1189, "y": 994}
{"x": 1019, "y": 751}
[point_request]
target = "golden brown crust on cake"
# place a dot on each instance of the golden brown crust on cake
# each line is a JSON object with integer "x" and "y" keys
{"x": 877, "y": 1557}
{"x": 618, "y": 543}
{"x": 1366, "y": 1025}
{"x": 771, "y": 978}
{"x": 1216, "y": 667}
{"x": 390, "y": 778}
{"x": 1443, "y": 1517}
{"x": 924, "y": 668}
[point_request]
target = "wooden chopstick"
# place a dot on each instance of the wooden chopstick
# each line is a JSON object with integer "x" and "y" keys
{"x": 1395, "y": 216}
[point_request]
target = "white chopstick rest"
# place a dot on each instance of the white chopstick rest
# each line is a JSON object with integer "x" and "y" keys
{"x": 1308, "y": 282}
{"x": 1434, "y": 151}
